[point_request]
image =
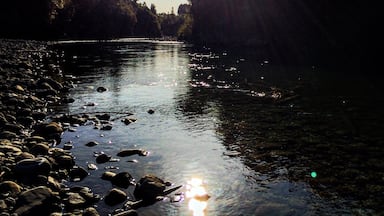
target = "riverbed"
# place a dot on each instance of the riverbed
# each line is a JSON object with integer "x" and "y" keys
{"x": 261, "y": 137}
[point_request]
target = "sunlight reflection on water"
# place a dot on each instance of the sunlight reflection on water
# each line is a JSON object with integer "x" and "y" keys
{"x": 198, "y": 196}
{"x": 203, "y": 124}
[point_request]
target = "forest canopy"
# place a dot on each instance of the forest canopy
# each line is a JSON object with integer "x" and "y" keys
{"x": 47, "y": 19}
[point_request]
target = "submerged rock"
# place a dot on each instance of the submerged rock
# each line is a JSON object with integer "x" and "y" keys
{"x": 106, "y": 127}
{"x": 128, "y": 121}
{"x": 103, "y": 158}
{"x": 104, "y": 117}
{"x": 92, "y": 143}
{"x": 101, "y": 89}
{"x": 129, "y": 152}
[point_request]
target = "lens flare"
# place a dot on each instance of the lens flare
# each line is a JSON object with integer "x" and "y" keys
{"x": 198, "y": 196}
{"x": 313, "y": 174}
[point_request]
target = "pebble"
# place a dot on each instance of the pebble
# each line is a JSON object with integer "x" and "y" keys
{"x": 92, "y": 166}
{"x": 103, "y": 158}
{"x": 92, "y": 143}
{"x": 101, "y": 89}
{"x": 78, "y": 173}
{"x": 123, "y": 179}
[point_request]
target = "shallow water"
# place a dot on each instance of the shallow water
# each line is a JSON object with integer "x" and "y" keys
{"x": 220, "y": 117}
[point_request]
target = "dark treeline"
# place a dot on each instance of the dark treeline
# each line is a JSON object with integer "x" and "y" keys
{"x": 52, "y": 19}
{"x": 301, "y": 28}
{"x": 315, "y": 28}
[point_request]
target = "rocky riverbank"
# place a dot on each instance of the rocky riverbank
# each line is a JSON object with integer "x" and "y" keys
{"x": 34, "y": 166}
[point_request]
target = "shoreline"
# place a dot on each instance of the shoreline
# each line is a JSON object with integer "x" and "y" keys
{"x": 33, "y": 169}
{"x": 36, "y": 173}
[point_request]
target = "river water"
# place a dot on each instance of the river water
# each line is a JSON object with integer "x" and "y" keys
{"x": 259, "y": 137}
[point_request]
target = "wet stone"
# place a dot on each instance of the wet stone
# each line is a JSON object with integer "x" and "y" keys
{"x": 92, "y": 143}
{"x": 91, "y": 166}
{"x": 24, "y": 155}
{"x": 123, "y": 179}
{"x": 67, "y": 146}
{"x": 115, "y": 196}
{"x": 128, "y": 121}
{"x": 86, "y": 193}
{"x": 90, "y": 211}
{"x": 104, "y": 117}
{"x": 149, "y": 187}
{"x": 108, "y": 175}
{"x": 10, "y": 149}
{"x": 39, "y": 149}
{"x": 64, "y": 161}
{"x": 75, "y": 200}
{"x": 7, "y": 135}
{"x": 103, "y": 158}
{"x": 3, "y": 205}
{"x": 106, "y": 127}
{"x": 51, "y": 130}
{"x": 101, "y": 89}
{"x": 78, "y": 173}
{"x": 53, "y": 184}
{"x": 129, "y": 152}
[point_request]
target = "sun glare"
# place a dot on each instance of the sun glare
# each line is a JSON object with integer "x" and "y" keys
{"x": 198, "y": 196}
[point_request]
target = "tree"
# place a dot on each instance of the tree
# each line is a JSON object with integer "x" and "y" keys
{"x": 184, "y": 9}
{"x": 153, "y": 9}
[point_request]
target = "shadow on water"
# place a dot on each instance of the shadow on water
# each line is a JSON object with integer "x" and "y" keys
{"x": 320, "y": 125}
{"x": 306, "y": 134}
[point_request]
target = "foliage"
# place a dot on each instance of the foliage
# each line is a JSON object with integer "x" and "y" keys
{"x": 44, "y": 19}
{"x": 147, "y": 23}
{"x": 177, "y": 26}
{"x": 26, "y": 17}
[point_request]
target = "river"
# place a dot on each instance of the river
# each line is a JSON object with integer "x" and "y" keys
{"x": 259, "y": 137}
